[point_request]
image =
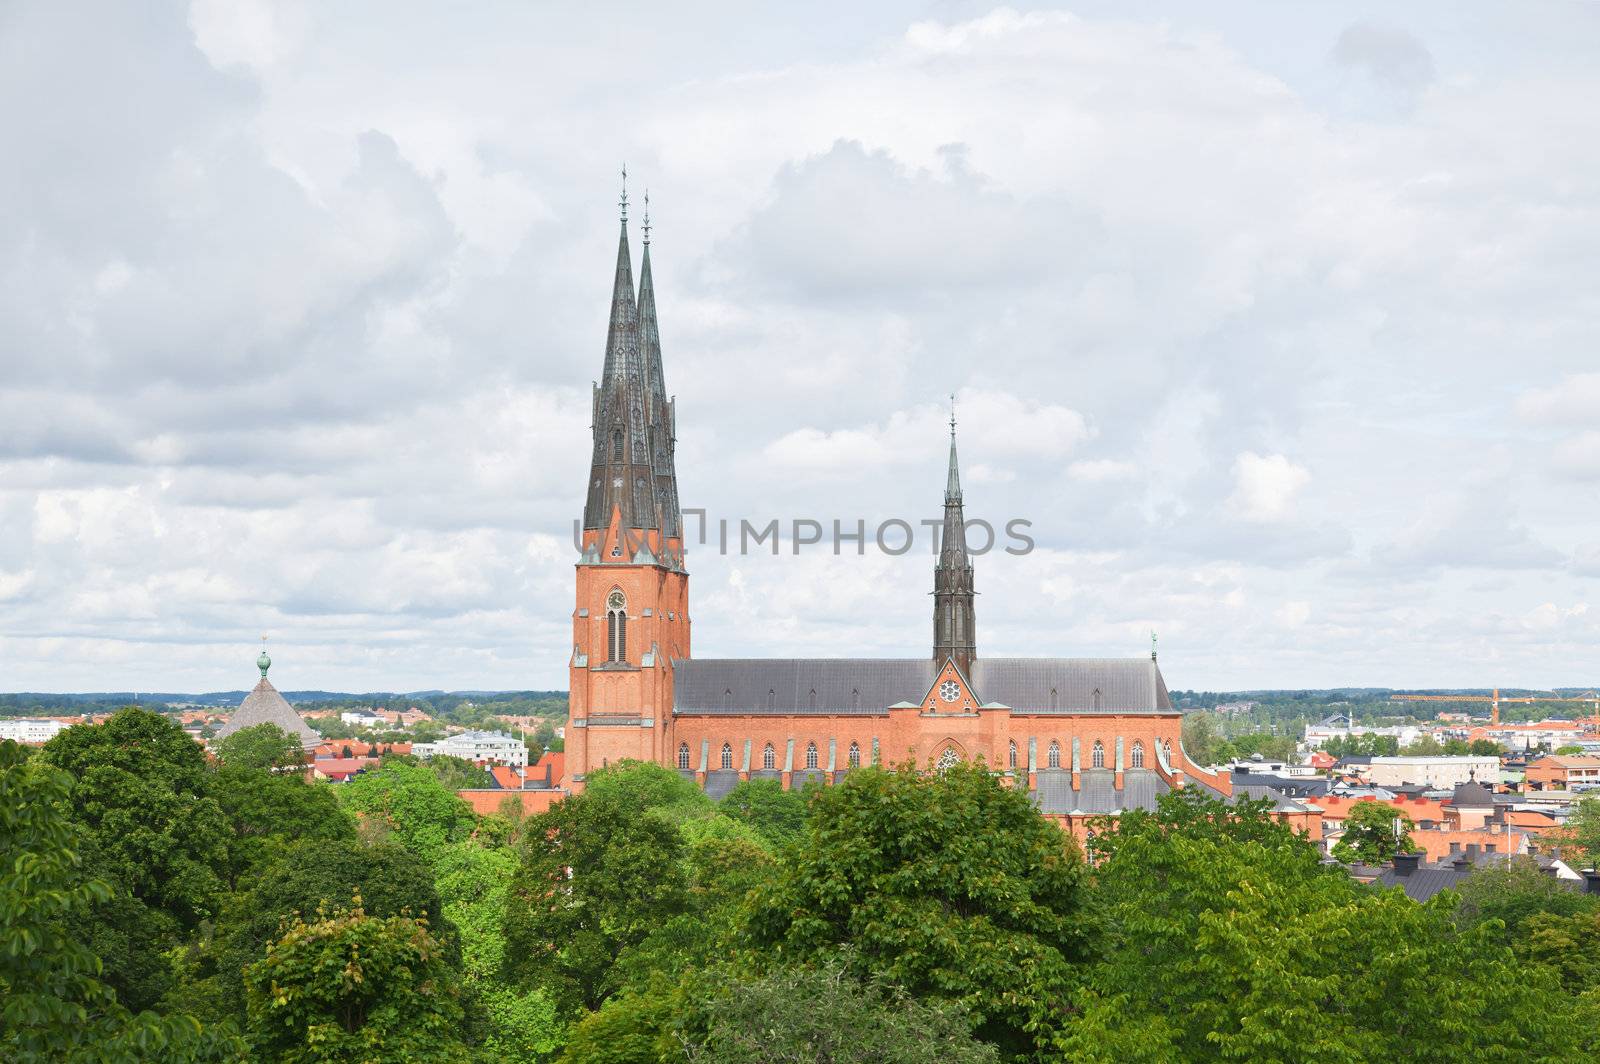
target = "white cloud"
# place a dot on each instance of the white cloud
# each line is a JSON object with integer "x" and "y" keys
{"x": 1265, "y": 486}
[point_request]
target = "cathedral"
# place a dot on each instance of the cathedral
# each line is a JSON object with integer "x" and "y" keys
{"x": 1085, "y": 736}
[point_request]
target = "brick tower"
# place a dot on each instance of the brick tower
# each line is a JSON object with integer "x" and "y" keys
{"x": 631, "y": 620}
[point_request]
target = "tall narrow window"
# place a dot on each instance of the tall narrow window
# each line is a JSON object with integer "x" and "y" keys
{"x": 1053, "y": 759}
{"x": 1011, "y": 756}
{"x": 853, "y": 758}
{"x": 727, "y": 756}
{"x": 616, "y": 626}
{"x": 1098, "y": 757}
{"x": 769, "y": 757}
{"x": 616, "y": 446}
{"x": 683, "y": 755}
{"x": 811, "y": 755}
{"x": 1136, "y": 759}
{"x": 811, "y": 701}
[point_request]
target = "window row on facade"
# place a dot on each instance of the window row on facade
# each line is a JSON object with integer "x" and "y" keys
{"x": 812, "y": 755}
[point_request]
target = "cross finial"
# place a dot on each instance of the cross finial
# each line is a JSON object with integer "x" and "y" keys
{"x": 952, "y": 413}
{"x": 624, "y": 203}
{"x": 1152, "y": 644}
{"x": 646, "y": 225}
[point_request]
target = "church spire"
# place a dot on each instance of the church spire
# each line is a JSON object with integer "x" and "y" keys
{"x": 954, "y": 635}
{"x": 619, "y": 478}
{"x": 661, "y": 413}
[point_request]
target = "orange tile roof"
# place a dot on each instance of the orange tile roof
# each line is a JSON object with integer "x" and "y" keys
{"x": 557, "y": 761}
{"x": 1418, "y": 809}
{"x": 486, "y": 802}
{"x": 506, "y": 778}
{"x": 1436, "y": 844}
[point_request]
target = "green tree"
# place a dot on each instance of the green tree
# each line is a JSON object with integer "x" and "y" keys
{"x": 1485, "y": 748}
{"x": 54, "y": 1005}
{"x": 264, "y": 746}
{"x": 779, "y": 816}
{"x": 1579, "y": 838}
{"x": 596, "y": 877}
{"x": 267, "y": 810}
{"x": 947, "y": 883}
{"x": 304, "y": 876}
{"x": 346, "y": 986}
{"x": 1514, "y": 892}
{"x": 806, "y": 1014}
{"x": 645, "y": 786}
{"x": 1568, "y": 944}
{"x": 1201, "y": 739}
{"x": 1221, "y": 936}
{"x": 1428, "y": 746}
{"x": 142, "y": 791}
{"x": 411, "y": 801}
{"x": 1373, "y": 833}
{"x": 457, "y": 773}
{"x": 1570, "y": 748}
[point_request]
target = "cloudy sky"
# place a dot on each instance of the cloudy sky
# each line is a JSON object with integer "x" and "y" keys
{"x": 1278, "y": 320}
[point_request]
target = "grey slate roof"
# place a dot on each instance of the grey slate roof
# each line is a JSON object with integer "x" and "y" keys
{"x": 1472, "y": 795}
{"x": 265, "y": 705}
{"x": 1097, "y": 792}
{"x": 720, "y": 782}
{"x": 1425, "y": 882}
{"x": 787, "y": 686}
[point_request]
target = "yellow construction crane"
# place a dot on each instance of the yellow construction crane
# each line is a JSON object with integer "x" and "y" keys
{"x": 1495, "y": 699}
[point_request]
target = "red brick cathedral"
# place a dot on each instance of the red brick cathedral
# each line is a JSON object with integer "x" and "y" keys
{"x": 1086, "y": 736}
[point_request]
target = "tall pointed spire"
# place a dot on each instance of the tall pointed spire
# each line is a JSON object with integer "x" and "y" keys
{"x": 954, "y": 633}
{"x": 662, "y": 413}
{"x": 618, "y": 413}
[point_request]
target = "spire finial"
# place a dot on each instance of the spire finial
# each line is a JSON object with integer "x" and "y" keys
{"x": 1152, "y": 644}
{"x": 646, "y": 226}
{"x": 263, "y": 662}
{"x": 624, "y": 203}
{"x": 952, "y": 415}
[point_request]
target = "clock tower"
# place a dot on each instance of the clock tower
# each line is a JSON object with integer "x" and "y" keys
{"x": 631, "y": 619}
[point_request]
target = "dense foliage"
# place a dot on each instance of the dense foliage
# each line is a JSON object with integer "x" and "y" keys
{"x": 157, "y": 903}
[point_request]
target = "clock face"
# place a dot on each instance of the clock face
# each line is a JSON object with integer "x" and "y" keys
{"x": 949, "y": 690}
{"x": 615, "y": 601}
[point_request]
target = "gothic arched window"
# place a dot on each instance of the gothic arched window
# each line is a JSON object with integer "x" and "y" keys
{"x": 683, "y": 755}
{"x": 811, "y": 755}
{"x": 1136, "y": 759}
{"x": 727, "y": 756}
{"x": 1054, "y": 758}
{"x": 1011, "y": 756}
{"x": 1097, "y": 757}
{"x": 853, "y": 758}
{"x": 616, "y": 445}
{"x": 616, "y": 626}
{"x": 769, "y": 757}
{"x": 949, "y": 759}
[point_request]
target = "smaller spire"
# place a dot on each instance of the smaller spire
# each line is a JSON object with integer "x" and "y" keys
{"x": 624, "y": 203}
{"x": 952, "y": 484}
{"x": 646, "y": 226}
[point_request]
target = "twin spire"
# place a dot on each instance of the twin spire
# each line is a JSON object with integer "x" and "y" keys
{"x": 632, "y": 477}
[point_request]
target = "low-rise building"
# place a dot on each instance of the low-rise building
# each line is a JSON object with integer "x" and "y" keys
{"x": 1434, "y": 773}
{"x": 1564, "y": 772}
{"x": 478, "y": 746}
{"x": 362, "y": 718}
{"x": 30, "y": 730}
{"x": 1341, "y": 726}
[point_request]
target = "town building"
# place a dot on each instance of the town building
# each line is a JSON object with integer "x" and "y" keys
{"x": 363, "y": 718}
{"x": 265, "y": 705}
{"x": 1564, "y": 772}
{"x": 1341, "y": 726}
{"x": 1435, "y": 773}
{"x": 480, "y": 747}
{"x": 30, "y": 730}
{"x": 1085, "y": 737}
